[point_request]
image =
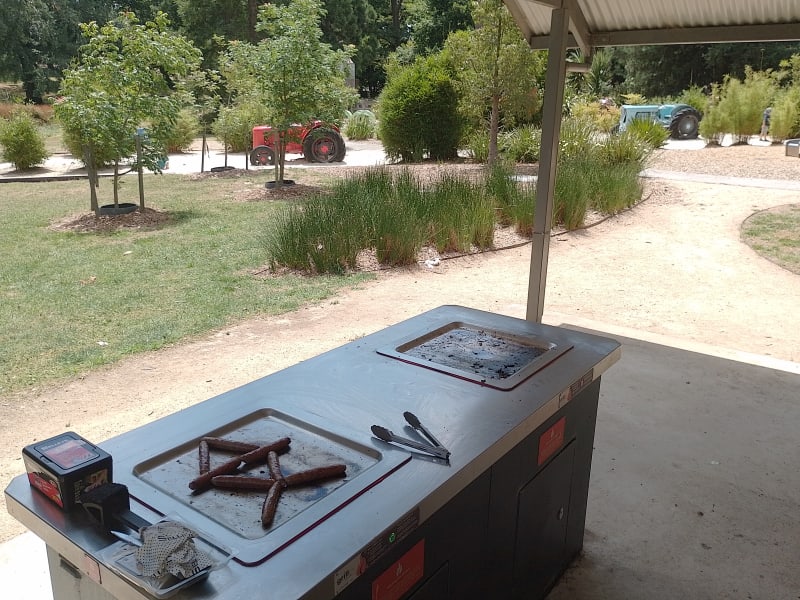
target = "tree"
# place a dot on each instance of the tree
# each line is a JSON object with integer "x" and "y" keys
{"x": 292, "y": 73}
{"x": 127, "y": 76}
{"x": 40, "y": 37}
{"x": 431, "y": 21}
{"x": 498, "y": 72}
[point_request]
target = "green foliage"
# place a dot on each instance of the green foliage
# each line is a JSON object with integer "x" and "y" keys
{"x": 476, "y": 143}
{"x": 183, "y": 132}
{"x": 598, "y": 79}
{"x": 40, "y": 37}
{"x": 652, "y": 134}
{"x": 596, "y": 172}
{"x": 695, "y": 97}
{"x": 361, "y": 125}
{"x": 431, "y": 21}
{"x": 126, "y": 77}
{"x": 394, "y": 213}
{"x": 572, "y": 194}
{"x": 500, "y": 78}
{"x": 712, "y": 127}
{"x": 291, "y": 73}
{"x": 578, "y": 136}
{"x": 521, "y": 145}
{"x": 604, "y": 119}
{"x": 234, "y": 125}
{"x": 515, "y": 202}
{"x": 418, "y": 113}
{"x": 785, "y": 119}
{"x": 740, "y": 106}
{"x": 633, "y": 98}
{"x": 21, "y": 141}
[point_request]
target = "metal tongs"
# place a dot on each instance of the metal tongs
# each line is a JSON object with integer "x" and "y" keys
{"x": 435, "y": 448}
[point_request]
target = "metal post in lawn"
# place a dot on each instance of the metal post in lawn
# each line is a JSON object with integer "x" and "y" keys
{"x": 138, "y": 136}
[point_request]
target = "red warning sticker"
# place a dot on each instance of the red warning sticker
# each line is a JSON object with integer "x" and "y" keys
{"x": 551, "y": 440}
{"x": 395, "y": 581}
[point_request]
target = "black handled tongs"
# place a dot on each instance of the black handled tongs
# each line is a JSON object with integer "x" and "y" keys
{"x": 435, "y": 448}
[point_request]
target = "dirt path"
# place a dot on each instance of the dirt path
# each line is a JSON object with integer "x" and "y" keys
{"x": 673, "y": 266}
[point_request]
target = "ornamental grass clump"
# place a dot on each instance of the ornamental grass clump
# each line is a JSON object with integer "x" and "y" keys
{"x": 461, "y": 214}
{"x": 304, "y": 238}
{"x": 361, "y": 125}
{"x": 514, "y": 200}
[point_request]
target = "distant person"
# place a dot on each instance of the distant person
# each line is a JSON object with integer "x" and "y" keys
{"x": 765, "y": 123}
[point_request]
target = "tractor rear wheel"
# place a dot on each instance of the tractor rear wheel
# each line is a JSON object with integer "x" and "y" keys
{"x": 262, "y": 155}
{"x": 684, "y": 124}
{"x": 324, "y": 145}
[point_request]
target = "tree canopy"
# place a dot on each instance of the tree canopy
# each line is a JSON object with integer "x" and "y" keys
{"x": 126, "y": 76}
{"x": 291, "y": 73}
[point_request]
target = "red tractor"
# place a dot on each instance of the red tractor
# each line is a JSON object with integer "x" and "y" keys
{"x": 317, "y": 142}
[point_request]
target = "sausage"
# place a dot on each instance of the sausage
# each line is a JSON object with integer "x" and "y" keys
{"x": 230, "y": 445}
{"x": 260, "y": 454}
{"x": 203, "y": 458}
{"x": 204, "y": 481}
{"x": 316, "y": 474}
{"x": 271, "y": 504}
{"x": 242, "y": 482}
{"x": 275, "y": 467}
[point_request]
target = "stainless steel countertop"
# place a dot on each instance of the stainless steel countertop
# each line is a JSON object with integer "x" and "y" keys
{"x": 344, "y": 392}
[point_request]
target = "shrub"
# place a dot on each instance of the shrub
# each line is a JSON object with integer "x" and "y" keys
{"x": 418, "y": 112}
{"x": 75, "y": 146}
{"x": 695, "y": 97}
{"x": 785, "y": 119}
{"x": 578, "y": 136}
{"x": 603, "y": 118}
{"x": 182, "y": 134}
{"x": 361, "y": 125}
{"x": 740, "y": 106}
{"x": 22, "y": 143}
{"x": 476, "y": 143}
{"x": 234, "y": 125}
{"x": 640, "y": 132}
{"x": 522, "y": 144}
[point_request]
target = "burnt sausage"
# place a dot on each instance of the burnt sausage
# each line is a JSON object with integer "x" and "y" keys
{"x": 316, "y": 474}
{"x": 242, "y": 482}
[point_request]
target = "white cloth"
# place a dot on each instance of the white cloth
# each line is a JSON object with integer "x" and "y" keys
{"x": 168, "y": 547}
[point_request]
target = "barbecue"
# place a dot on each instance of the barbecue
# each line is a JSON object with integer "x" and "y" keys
{"x": 298, "y": 487}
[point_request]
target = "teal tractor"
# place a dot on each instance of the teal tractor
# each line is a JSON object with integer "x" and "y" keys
{"x": 681, "y": 120}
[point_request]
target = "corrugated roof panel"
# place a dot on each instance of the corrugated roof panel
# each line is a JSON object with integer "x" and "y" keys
{"x": 632, "y": 15}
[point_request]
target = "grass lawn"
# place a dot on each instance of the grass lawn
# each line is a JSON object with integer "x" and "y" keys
{"x": 775, "y": 234}
{"x": 72, "y": 301}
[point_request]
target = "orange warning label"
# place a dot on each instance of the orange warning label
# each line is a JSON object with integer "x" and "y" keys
{"x": 395, "y": 581}
{"x": 552, "y": 440}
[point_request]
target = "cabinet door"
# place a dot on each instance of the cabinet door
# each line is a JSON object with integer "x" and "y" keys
{"x": 540, "y": 551}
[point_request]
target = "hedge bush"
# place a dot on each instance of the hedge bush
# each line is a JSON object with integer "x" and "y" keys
{"x": 21, "y": 141}
{"x": 418, "y": 112}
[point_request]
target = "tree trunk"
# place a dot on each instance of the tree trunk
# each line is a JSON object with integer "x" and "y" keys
{"x": 281, "y": 159}
{"x": 116, "y": 183}
{"x": 252, "y": 19}
{"x": 91, "y": 171}
{"x": 494, "y": 126}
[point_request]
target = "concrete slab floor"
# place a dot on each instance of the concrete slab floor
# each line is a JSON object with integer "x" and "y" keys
{"x": 695, "y": 486}
{"x": 695, "y": 489}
